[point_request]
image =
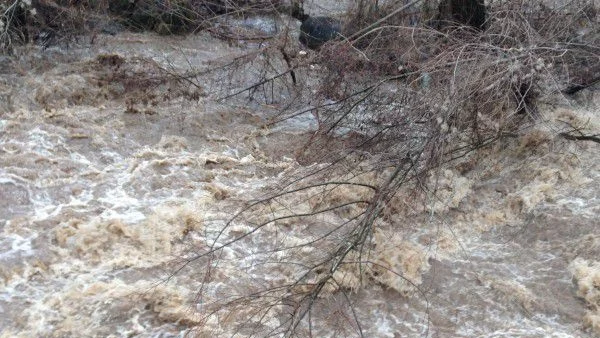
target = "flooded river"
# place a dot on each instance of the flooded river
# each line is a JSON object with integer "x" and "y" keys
{"x": 111, "y": 174}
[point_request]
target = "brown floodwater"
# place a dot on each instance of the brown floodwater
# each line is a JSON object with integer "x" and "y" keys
{"x": 110, "y": 173}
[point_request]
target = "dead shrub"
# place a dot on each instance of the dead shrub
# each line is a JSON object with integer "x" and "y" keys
{"x": 60, "y": 22}
{"x": 405, "y": 99}
{"x": 14, "y": 17}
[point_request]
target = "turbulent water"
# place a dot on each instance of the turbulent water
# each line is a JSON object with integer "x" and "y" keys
{"x": 104, "y": 187}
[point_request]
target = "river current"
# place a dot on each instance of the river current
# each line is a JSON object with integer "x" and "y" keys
{"x": 106, "y": 184}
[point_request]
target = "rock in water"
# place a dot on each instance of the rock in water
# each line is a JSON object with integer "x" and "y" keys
{"x": 315, "y": 31}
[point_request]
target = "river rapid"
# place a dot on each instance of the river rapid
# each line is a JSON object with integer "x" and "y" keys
{"x": 110, "y": 174}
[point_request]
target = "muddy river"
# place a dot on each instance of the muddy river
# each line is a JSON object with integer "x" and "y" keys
{"x": 111, "y": 175}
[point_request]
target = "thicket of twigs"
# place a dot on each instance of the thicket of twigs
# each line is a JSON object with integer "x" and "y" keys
{"x": 53, "y": 22}
{"x": 398, "y": 97}
{"x": 401, "y": 94}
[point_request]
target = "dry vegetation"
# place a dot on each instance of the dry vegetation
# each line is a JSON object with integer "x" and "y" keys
{"x": 396, "y": 99}
{"x": 26, "y": 21}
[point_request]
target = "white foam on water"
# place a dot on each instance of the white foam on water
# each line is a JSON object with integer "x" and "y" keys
{"x": 301, "y": 123}
{"x": 384, "y": 327}
{"x": 585, "y": 207}
{"x": 126, "y": 215}
{"x": 41, "y": 141}
{"x": 110, "y": 243}
{"x": 12, "y": 178}
{"x": 17, "y": 246}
